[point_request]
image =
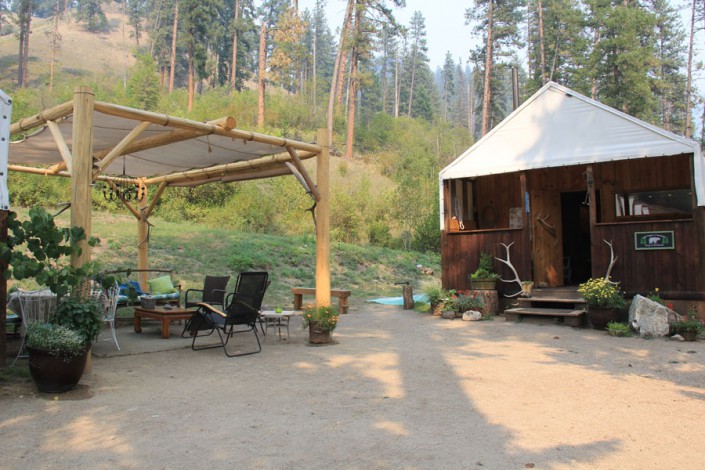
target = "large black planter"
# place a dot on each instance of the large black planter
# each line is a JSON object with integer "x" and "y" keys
{"x": 600, "y": 317}
{"x": 54, "y": 374}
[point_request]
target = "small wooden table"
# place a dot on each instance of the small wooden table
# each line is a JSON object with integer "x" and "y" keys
{"x": 165, "y": 314}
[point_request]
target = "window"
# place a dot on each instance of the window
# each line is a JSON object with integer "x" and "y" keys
{"x": 654, "y": 204}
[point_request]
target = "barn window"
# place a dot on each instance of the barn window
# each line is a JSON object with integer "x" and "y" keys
{"x": 671, "y": 203}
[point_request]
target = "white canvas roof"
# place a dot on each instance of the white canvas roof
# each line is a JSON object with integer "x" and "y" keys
{"x": 559, "y": 127}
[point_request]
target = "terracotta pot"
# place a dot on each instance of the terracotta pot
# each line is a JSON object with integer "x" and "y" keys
{"x": 318, "y": 336}
{"x": 483, "y": 284}
{"x": 600, "y": 317}
{"x": 55, "y": 374}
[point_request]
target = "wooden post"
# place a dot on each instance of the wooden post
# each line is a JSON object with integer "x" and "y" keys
{"x": 590, "y": 182}
{"x": 323, "y": 222}
{"x": 82, "y": 168}
{"x": 408, "y": 294}
{"x": 143, "y": 240}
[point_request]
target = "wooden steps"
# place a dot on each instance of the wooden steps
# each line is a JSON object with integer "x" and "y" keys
{"x": 564, "y": 304}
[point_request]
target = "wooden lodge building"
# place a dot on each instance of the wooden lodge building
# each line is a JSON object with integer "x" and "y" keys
{"x": 560, "y": 180}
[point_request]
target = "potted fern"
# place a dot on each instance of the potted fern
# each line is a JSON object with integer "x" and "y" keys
{"x": 484, "y": 277}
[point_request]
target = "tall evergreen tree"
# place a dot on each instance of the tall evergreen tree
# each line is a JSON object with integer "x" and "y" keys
{"x": 90, "y": 12}
{"x": 448, "y": 79}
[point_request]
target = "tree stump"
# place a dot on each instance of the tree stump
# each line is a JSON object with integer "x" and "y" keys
{"x": 490, "y": 300}
{"x": 408, "y": 294}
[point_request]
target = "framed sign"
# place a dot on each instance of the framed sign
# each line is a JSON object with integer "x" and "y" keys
{"x": 662, "y": 240}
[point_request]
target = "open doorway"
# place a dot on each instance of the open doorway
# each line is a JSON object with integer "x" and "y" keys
{"x": 575, "y": 214}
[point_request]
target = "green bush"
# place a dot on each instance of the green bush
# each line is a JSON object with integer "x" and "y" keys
{"x": 618, "y": 329}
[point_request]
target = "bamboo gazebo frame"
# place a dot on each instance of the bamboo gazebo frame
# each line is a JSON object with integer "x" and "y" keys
{"x": 162, "y": 151}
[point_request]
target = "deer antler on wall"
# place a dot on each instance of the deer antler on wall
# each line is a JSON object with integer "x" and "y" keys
{"x": 516, "y": 279}
{"x": 543, "y": 220}
{"x": 613, "y": 260}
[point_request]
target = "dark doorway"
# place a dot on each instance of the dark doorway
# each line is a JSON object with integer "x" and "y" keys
{"x": 575, "y": 214}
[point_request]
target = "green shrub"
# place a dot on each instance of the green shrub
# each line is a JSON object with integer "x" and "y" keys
{"x": 618, "y": 329}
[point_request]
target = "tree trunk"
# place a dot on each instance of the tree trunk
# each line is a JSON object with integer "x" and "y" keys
{"x": 542, "y": 46}
{"x": 260, "y": 73}
{"x": 55, "y": 41}
{"x": 486, "y": 97}
{"x": 413, "y": 76}
{"x": 471, "y": 104}
{"x": 352, "y": 91}
{"x": 397, "y": 92}
{"x": 173, "y": 47}
{"x": 336, "y": 68}
{"x": 233, "y": 72}
{"x": 25, "y": 22}
{"x": 689, "y": 81}
{"x": 190, "y": 82}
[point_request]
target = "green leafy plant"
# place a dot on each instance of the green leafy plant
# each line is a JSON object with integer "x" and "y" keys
{"x": 618, "y": 329}
{"x": 324, "y": 318}
{"x": 37, "y": 248}
{"x": 485, "y": 268}
{"x": 435, "y": 293}
{"x": 468, "y": 300}
{"x": 689, "y": 323}
{"x": 601, "y": 293}
{"x": 58, "y": 340}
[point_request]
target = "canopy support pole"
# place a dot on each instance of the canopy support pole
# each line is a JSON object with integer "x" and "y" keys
{"x": 323, "y": 222}
{"x": 82, "y": 169}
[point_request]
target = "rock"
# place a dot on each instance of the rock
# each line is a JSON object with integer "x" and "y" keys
{"x": 649, "y": 318}
{"x": 472, "y": 315}
{"x": 448, "y": 314}
{"x": 677, "y": 338}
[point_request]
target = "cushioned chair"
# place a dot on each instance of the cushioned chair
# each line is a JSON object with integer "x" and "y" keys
{"x": 240, "y": 314}
{"x": 213, "y": 292}
{"x": 161, "y": 289}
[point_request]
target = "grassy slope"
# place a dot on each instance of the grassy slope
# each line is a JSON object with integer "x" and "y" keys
{"x": 194, "y": 250}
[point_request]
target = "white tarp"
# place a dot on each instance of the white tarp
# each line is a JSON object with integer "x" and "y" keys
{"x": 559, "y": 127}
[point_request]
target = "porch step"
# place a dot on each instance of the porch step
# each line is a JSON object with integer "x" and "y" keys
{"x": 571, "y": 317}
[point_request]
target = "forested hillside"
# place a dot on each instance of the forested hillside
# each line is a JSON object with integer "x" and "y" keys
{"x": 394, "y": 122}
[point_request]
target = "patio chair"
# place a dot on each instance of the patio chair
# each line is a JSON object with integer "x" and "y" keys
{"x": 241, "y": 310}
{"x": 108, "y": 300}
{"x": 213, "y": 292}
{"x": 36, "y": 306}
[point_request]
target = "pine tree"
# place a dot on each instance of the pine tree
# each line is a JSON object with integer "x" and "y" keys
{"x": 448, "y": 78}
{"x": 24, "y": 21}
{"x": 91, "y": 13}
{"x": 288, "y": 50}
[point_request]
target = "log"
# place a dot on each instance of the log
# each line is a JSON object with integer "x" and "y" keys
{"x": 408, "y": 294}
{"x": 490, "y": 300}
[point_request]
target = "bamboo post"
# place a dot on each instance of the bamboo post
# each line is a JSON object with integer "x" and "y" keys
{"x": 323, "y": 222}
{"x": 82, "y": 168}
{"x": 143, "y": 240}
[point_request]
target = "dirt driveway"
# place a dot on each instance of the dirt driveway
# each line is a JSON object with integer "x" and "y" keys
{"x": 400, "y": 390}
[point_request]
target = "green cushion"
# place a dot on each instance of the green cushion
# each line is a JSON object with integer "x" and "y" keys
{"x": 161, "y": 285}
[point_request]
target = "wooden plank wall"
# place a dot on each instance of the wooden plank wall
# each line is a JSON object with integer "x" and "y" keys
{"x": 461, "y": 253}
{"x": 645, "y": 270}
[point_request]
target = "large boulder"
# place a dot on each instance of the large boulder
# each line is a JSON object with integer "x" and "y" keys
{"x": 649, "y": 318}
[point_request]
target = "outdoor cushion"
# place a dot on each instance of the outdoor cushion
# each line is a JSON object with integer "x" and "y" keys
{"x": 125, "y": 288}
{"x": 161, "y": 285}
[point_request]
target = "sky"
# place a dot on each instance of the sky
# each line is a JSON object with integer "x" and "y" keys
{"x": 445, "y": 24}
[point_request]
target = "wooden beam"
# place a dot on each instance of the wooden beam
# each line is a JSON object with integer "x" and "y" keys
{"x": 155, "y": 199}
{"x": 239, "y": 176}
{"x": 62, "y": 146}
{"x": 118, "y": 149}
{"x": 323, "y": 223}
{"x": 190, "y": 176}
{"x": 82, "y": 165}
{"x": 51, "y": 114}
{"x": 302, "y": 170}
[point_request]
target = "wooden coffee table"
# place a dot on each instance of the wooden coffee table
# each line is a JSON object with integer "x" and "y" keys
{"x": 165, "y": 314}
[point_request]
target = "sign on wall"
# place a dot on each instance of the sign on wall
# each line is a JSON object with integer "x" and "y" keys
{"x": 661, "y": 240}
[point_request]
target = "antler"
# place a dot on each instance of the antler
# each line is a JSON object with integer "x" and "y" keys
{"x": 508, "y": 262}
{"x": 543, "y": 220}
{"x": 613, "y": 260}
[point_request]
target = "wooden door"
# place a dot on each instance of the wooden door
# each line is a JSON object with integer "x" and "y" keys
{"x": 547, "y": 238}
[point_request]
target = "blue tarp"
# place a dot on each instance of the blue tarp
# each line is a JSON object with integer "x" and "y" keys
{"x": 398, "y": 300}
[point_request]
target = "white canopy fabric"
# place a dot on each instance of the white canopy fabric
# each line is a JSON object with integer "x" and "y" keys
{"x": 182, "y": 146}
{"x": 560, "y": 127}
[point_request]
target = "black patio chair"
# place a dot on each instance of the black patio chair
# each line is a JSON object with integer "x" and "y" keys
{"x": 213, "y": 292}
{"x": 242, "y": 310}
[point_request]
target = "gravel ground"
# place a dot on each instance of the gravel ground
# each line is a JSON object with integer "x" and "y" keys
{"x": 398, "y": 390}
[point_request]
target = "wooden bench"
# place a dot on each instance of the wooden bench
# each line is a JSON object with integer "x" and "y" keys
{"x": 299, "y": 293}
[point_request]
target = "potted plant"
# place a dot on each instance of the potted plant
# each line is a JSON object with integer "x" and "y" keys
{"x": 604, "y": 300}
{"x": 484, "y": 277}
{"x": 57, "y": 356}
{"x": 320, "y": 321}
{"x": 467, "y": 300}
{"x": 37, "y": 248}
{"x": 689, "y": 327}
